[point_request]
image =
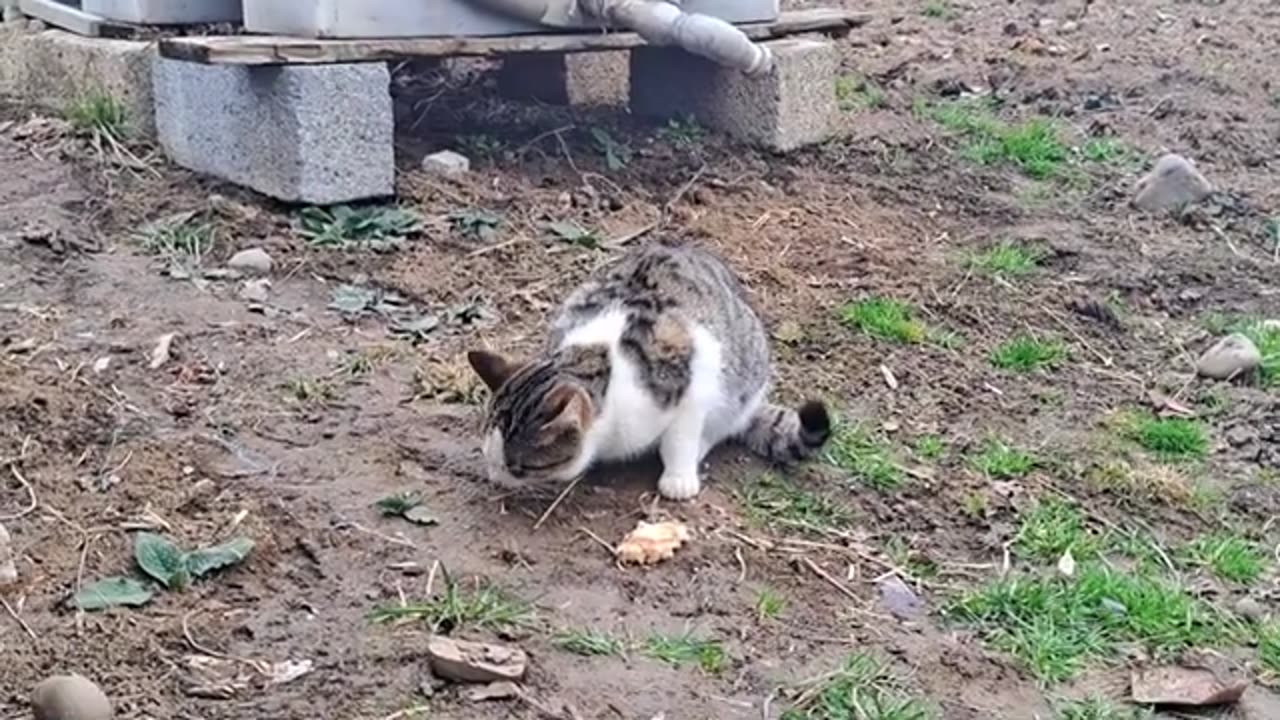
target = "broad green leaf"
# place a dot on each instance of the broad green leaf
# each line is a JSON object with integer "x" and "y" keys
{"x": 205, "y": 560}
{"x": 112, "y": 592}
{"x": 160, "y": 559}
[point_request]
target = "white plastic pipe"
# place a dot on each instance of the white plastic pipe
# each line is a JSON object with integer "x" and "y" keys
{"x": 658, "y": 22}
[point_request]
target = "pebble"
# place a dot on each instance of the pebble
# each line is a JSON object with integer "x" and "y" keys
{"x": 899, "y": 599}
{"x": 1231, "y": 357}
{"x": 1172, "y": 184}
{"x": 69, "y": 697}
{"x": 252, "y": 260}
{"x": 502, "y": 690}
{"x": 8, "y": 567}
{"x": 447, "y": 163}
{"x": 472, "y": 662}
{"x": 1250, "y": 609}
{"x": 256, "y": 291}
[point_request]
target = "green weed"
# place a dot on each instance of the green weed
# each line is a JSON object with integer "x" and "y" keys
{"x": 1269, "y": 647}
{"x": 483, "y": 607}
{"x": 885, "y": 319}
{"x": 1098, "y": 709}
{"x": 770, "y": 604}
{"x": 182, "y": 241}
{"x": 98, "y": 114}
{"x": 1006, "y": 259}
{"x": 1230, "y": 557}
{"x": 678, "y": 650}
{"x": 863, "y": 689}
{"x": 1034, "y": 146}
{"x": 1026, "y": 353}
{"x": 854, "y": 92}
{"x": 773, "y": 501}
{"x": 617, "y": 155}
{"x": 1001, "y": 461}
{"x": 482, "y": 146}
{"x": 1170, "y": 438}
{"x": 371, "y": 227}
{"x": 930, "y": 447}
{"x": 937, "y": 9}
{"x": 475, "y": 223}
{"x": 856, "y": 452}
{"x": 589, "y": 643}
{"x": 683, "y": 131}
{"x": 1050, "y": 528}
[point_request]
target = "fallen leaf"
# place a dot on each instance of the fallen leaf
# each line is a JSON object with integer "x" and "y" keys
{"x": 651, "y": 543}
{"x": 889, "y": 378}
{"x": 101, "y": 364}
{"x": 1067, "y": 564}
{"x": 160, "y": 355}
{"x": 111, "y": 592}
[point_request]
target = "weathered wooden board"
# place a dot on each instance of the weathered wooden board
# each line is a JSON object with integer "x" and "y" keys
{"x": 278, "y": 50}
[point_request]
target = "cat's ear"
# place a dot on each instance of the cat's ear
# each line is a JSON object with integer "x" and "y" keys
{"x": 492, "y": 368}
{"x": 572, "y": 408}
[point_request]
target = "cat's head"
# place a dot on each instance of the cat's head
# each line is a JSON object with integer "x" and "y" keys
{"x": 536, "y": 423}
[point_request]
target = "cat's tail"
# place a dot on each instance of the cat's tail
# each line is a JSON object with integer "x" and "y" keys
{"x": 787, "y": 436}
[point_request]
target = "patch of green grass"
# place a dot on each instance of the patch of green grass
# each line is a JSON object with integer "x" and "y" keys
{"x": 1108, "y": 151}
{"x": 1001, "y": 461}
{"x": 862, "y": 689}
{"x": 483, "y": 607}
{"x": 372, "y": 227}
{"x": 310, "y": 390}
{"x": 182, "y": 241}
{"x": 770, "y": 604}
{"x": 1027, "y": 353}
{"x": 590, "y": 643}
{"x": 1169, "y": 438}
{"x": 679, "y": 650}
{"x": 99, "y": 114}
{"x": 1050, "y": 528}
{"x": 1230, "y": 557}
{"x": 1006, "y": 259}
{"x": 1034, "y": 146}
{"x": 1269, "y": 647}
{"x": 885, "y": 319}
{"x": 1266, "y": 336}
{"x": 773, "y": 501}
{"x": 975, "y": 505}
{"x": 1098, "y": 709}
{"x": 937, "y": 9}
{"x": 930, "y": 447}
{"x": 855, "y": 451}
{"x": 1056, "y": 625}
{"x": 903, "y": 555}
{"x": 854, "y": 92}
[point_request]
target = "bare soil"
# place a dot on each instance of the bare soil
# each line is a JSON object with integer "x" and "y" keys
{"x": 220, "y": 441}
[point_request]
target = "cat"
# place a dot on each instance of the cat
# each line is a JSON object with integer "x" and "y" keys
{"x": 662, "y": 350}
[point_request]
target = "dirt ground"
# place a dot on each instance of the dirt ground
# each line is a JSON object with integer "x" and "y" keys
{"x": 285, "y": 421}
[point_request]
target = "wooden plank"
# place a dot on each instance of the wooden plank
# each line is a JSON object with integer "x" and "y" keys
{"x": 282, "y": 50}
{"x": 71, "y": 18}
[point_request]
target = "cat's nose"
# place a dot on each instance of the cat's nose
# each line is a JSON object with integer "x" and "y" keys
{"x": 516, "y": 471}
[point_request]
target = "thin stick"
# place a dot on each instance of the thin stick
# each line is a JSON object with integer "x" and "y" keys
{"x": 563, "y": 494}
{"x": 408, "y": 712}
{"x": 431, "y": 576}
{"x": 18, "y": 619}
{"x": 1104, "y": 359}
{"x": 834, "y": 582}
{"x": 587, "y": 531}
{"x": 31, "y": 493}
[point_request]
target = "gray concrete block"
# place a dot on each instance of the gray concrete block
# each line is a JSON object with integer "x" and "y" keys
{"x": 309, "y": 134}
{"x": 165, "y": 12}
{"x": 54, "y": 69}
{"x": 792, "y": 106}
{"x": 595, "y": 78}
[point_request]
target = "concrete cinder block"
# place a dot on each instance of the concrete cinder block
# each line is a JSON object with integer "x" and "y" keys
{"x": 54, "y": 69}
{"x": 317, "y": 134}
{"x": 165, "y": 12}
{"x": 793, "y": 106}
{"x": 595, "y": 78}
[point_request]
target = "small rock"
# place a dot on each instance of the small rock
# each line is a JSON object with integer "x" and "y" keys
{"x": 502, "y": 690}
{"x": 251, "y": 260}
{"x": 899, "y": 599}
{"x": 473, "y": 662}
{"x": 1250, "y": 609}
{"x": 1188, "y": 686}
{"x": 69, "y": 697}
{"x": 1172, "y": 184}
{"x": 447, "y": 163}
{"x": 1231, "y": 357}
{"x": 256, "y": 291}
{"x": 8, "y": 566}
{"x": 1069, "y": 27}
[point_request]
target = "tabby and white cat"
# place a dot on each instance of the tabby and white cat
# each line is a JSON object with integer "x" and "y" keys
{"x": 661, "y": 350}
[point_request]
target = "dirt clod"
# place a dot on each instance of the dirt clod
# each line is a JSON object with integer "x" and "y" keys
{"x": 1196, "y": 687}
{"x": 473, "y": 662}
{"x": 69, "y": 697}
{"x": 1231, "y": 357}
{"x": 251, "y": 260}
{"x": 502, "y": 690}
{"x": 1173, "y": 183}
{"x": 651, "y": 543}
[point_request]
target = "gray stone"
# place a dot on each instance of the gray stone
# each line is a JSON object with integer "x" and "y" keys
{"x": 790, "y": 107}
{"x": 256, "y": 291}
{"x": 318, "y": 134}
{"x": 1172, "y": 184}
{"x": 447, "y": 163}
{"x": 899, "y": 599}
{"x": 165, "y": 12}
{"x": 1233, "y": 356}
{"x": 1250, "y": 609}
{"x": 54, "y": 69}
{"x": 596, "y": 78}
{"x": 8, "y": 564}
{"x": 251, "y": 260}
{"x": 69, "y": 697}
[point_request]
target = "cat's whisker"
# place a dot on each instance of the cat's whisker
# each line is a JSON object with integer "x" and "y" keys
{"x": 559, "y": 499}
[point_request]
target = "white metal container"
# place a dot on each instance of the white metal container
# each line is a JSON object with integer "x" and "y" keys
{"x": 168, "y": 12}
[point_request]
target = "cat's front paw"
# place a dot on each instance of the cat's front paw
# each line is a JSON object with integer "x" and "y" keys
{"x": 679, "y": 486}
